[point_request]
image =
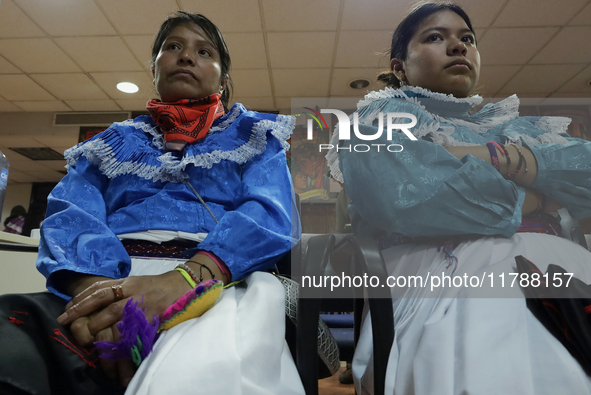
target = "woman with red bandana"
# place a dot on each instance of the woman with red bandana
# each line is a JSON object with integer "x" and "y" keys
{"x": 194, "y": 186}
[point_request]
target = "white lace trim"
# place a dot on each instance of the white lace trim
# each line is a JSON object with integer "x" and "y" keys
{"x": 99, "y": 153}
{"x": 546, "y": 138}
{"x": 158, "y": 137}
{"x": 154, "y": 131}
{"x": 284, "y": 128}
{"x": 491, "y": 116}
{"x": 389, "y": 93}
{"x": 554, "y": 124}
{"x": 234, "y": 113}
{"x": 281, "y": 129}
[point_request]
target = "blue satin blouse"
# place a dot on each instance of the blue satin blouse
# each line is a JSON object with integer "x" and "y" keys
{"x": 124, "y": 181}
{"x": 426, "y": 191}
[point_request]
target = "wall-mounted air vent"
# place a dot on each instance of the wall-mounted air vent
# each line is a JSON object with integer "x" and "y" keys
{"x": 89, "y": 118}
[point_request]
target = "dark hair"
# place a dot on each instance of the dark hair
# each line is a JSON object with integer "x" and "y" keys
{"x": 409, "y": 26}
{"x": 213, "y": 34}
{"x": 17, "y": 211}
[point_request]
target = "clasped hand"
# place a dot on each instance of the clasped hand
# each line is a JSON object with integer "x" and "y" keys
{"x": 95, "y": 312}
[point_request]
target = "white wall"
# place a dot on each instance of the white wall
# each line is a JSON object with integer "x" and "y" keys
{"x": 34, "y": 124}
{"x": 31, "y": 129}
{"x": 18, "y": 273}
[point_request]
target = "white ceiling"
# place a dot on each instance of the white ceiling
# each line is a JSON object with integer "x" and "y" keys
{"x": 68, "y": 55}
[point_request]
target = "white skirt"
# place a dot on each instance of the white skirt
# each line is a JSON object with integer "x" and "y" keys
{"x": 237, "y": 347}
{"x": 453, "y": 341}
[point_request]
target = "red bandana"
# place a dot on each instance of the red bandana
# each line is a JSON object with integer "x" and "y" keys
{"x": 185, "y": 121}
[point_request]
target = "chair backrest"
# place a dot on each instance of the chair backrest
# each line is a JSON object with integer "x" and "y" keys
{"x": 319, "y": 252}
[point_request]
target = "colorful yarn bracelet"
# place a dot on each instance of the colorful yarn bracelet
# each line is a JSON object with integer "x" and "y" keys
{"x": 505, "y": 152}
{"x": 494, "y": 158}
{"x": 192, "y": 304}
{"x": 138, "y": 335}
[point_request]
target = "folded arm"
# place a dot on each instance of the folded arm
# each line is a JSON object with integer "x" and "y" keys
{"x": 426, "y": 191}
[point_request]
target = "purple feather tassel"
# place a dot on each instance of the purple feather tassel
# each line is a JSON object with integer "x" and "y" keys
{"x": 137, "y": 335}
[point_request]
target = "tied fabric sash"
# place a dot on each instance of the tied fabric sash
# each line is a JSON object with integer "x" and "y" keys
{"x": 185, "y": 121}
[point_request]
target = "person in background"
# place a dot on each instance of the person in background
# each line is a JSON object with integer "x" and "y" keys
{"x": 34, "y": 217}
{"x": 15, "y": 221}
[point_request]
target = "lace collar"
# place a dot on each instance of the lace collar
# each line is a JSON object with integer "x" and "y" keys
{"x": 434, "y": 102}
{"x": 449, "y": 109}
{"x": 123, "y": 149}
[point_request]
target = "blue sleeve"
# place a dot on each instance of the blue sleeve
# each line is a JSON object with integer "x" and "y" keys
{"x": 564, "y": 174}
{"x": 265, "y": 224}
{"x": 564, "y": 163}
{"x": 426, "y": 191}
{"x": 75, "y": 235}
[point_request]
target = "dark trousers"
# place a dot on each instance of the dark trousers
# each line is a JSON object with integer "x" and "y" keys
{"x": 39, "y": 356}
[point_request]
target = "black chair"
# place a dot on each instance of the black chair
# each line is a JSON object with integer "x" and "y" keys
{"x": 352, "y": 255}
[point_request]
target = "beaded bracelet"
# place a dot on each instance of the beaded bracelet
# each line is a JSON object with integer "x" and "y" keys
{"x": 221, "y": 265}
{"x": 494, "y": 158}
{"x": 187, "y": 276}
{"x": 522, "y": 162}
{"x": 190, "y": 272}
{"x": 201, "y": 266}
{"x": 505, "y": 153}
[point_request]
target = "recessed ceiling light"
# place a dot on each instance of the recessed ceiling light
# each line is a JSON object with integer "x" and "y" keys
{"x": 127, "y": 87}
{"x": 359, "y": 84}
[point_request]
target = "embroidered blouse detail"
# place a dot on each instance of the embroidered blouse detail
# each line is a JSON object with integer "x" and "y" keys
{"x": 449, "y": 121}
{"x": 425, "y": 191}
{"x": 119, "y": 151}
{"x": 123, "y": 182}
